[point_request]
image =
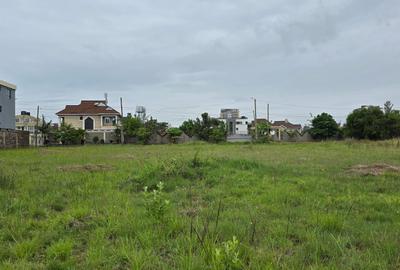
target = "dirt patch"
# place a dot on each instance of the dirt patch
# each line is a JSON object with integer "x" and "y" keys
{"x": 86, "y": 168}
{"x": 374, "y": 169}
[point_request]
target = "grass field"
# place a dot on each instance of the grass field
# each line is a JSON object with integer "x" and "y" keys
{"x": 274, "y": 206}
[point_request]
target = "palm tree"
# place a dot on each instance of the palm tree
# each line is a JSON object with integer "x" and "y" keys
{"x": 45, "y": 129}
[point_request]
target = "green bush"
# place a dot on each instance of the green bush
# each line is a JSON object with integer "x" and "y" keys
{"x": 68, "y": 135}
{"x": 156, "y": 203}
{"x": 95, "y": 139}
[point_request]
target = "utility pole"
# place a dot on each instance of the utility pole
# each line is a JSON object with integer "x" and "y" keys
{"x": 37, "y": 126}
{"x": 268, "y": 112}
{"x": 122, "y": 127}
{"x": 255, "y": 118}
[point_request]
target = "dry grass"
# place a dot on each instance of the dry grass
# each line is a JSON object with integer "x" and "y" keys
{"x": 374, "y": 169}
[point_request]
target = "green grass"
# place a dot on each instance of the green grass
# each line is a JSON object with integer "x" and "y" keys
{"x": 274, "y": 206}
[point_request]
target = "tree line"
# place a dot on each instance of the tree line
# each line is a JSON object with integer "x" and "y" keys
{"x": 366, "y": 122}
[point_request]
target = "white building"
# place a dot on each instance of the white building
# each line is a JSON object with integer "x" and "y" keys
{"x": 242, "y": 126}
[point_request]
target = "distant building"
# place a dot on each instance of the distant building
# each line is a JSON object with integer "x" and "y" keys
{"x": 94, "y": 116}
{"x": 26, "y": 122}
{"x": 7, "y": 105}
{"x": 242, "y": 126}
{"x": 237, "y": 126}
{"x": 229, "y": 113}
{"x": 278, "y": 127}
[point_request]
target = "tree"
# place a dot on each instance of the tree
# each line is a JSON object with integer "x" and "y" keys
{"x": 189, "y": 127}
{"x": 388, "y": 107}
{"x": 153, "y": 125}
{"x": 174, "y": 134}
{"x": 263, "y": 130}
{"x": 131, "y": 125}
{"x": 392, "y": 121}
{"x": 367, "y": 122}
{"x": 217, "y": 133}
{"x": 323, "y": 127}
{"x": 135, "y": 127}
{"x": 143, "y": 134}
{"x": 69, "y": 135}
{"x": 207, "y": 128}
{"x": 45, "y": 130}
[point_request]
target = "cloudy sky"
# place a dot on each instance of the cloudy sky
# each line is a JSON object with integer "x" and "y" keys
{"x": 180, "y": 58}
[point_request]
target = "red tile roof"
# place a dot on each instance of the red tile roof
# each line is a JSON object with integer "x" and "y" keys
{"x": 88, "y": 107}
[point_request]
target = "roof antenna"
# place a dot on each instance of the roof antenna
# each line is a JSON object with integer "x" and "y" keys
{"x": 106, "y": 98}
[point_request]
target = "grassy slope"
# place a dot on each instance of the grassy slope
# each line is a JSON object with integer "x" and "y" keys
{"x": 291, "y": 206}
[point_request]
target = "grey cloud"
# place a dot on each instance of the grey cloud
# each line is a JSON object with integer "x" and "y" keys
{"x": 180, "y": 58}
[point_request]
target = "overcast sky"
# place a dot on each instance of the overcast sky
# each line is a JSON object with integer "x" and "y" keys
{"x": 181, "y": 58}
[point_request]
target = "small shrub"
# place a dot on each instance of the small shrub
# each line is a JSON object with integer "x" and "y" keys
{"x": 156, "y": 204}
{"x": 228, "y": 257}
{"x": 95, "y": 139}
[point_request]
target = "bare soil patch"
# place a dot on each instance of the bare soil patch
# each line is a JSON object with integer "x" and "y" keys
{"x": 85, "y": 168}
{"x": 374, "y": 169}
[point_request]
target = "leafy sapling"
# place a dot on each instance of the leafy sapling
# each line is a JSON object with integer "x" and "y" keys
{"x": 156, "y": 204}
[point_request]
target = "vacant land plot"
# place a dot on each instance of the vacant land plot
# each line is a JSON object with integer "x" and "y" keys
{"x": 276, "y": 206}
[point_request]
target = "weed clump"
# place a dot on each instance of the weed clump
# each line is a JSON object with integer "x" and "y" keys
{"x": 156, "y": 204}
{"x": 167, "y": 171}
{"x": 228, "y": 256}
{"x": 6, "y": 182}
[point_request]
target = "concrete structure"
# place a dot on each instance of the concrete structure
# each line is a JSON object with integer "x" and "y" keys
{"x": 7, "y": 105}
{"x": 280, "y": 127}
{"x": 242, "y": 126}
{"x": 229, "y": 113}
{"x": 294, "y": 136}
{"x": 235, "y": 124}
{"x": 239, "y": 138}
{"x": 94, "y": 116}
{"x": 13, "y": 138}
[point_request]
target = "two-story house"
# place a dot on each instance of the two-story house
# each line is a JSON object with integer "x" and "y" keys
{"x": 7, "y": 105}
{"x": 95, "y": 117}
{"x": 25, "y": 121}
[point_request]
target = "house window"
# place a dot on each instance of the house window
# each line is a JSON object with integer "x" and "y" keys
{"x": 62, "y": 120}
{"x": 107, "y": 120}
{"x": 9, "y": 94}
{"x": 81, "y": 118}
{"x": 1, "y": 108}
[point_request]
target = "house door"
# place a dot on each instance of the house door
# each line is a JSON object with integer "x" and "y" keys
{"x": 89, "y": 123}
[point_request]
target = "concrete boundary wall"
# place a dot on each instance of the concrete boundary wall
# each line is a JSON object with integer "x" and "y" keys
{"x": 13, "y": 138}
